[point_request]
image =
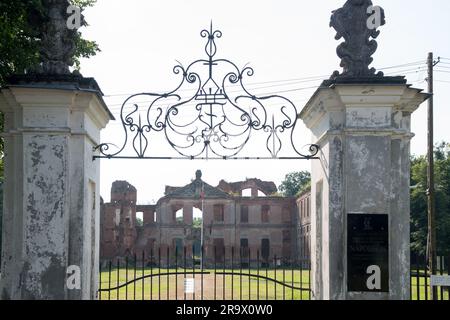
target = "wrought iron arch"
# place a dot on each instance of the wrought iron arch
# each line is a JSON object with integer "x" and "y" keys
{"x": 204, "y": 119}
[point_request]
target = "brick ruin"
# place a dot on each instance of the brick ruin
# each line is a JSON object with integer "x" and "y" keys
{"x": 264, "y": 223}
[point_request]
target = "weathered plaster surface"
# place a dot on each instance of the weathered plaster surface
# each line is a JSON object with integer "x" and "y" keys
{"x": 45, "y": 220}
{"x": 51, "y": 199}
{"x": 364, "y": 134}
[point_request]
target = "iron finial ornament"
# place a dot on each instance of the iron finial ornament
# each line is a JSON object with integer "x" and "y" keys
{"x": 210, "y": 115}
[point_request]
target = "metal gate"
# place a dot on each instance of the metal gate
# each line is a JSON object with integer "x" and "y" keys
{"x": 227, "y": 275}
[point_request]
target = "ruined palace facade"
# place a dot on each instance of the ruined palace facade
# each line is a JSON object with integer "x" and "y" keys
{"x": 261, "y": 223}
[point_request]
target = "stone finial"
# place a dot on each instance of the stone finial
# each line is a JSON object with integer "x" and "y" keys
{"x": 57, "y": 45}
{"x": 352, "y": 22}
{"x": 198, "y": 175}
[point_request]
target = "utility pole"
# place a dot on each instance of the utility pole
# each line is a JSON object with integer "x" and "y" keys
{"x": 431, "y": 245}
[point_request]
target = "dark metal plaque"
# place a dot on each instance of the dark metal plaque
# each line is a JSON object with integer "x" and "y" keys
{"x": 368, "y": 252}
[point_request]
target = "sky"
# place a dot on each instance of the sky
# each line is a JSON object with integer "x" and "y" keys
{"x": 141, "y": 42}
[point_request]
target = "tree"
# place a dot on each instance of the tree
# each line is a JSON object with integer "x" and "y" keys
{"x": 419, "y": 214}
{"x": 294, "y": 183}
{"x": 20, "y": 36}
{"x": 197, "y": 223}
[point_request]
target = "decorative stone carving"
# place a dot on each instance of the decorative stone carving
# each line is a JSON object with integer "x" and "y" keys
{"x": 359, "y": 45}
{"x": 57, "y": 46}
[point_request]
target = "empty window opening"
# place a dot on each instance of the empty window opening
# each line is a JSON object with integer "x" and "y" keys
{"x": 140, "y": 219}
{"x": 179, "y": 216}
{"x": 244, "y": 214}
{"x": 218, "y": 213}
{"x": 265, "y": 212}
{"x": 265, "y": 249}
{"x": 197, "y": 218}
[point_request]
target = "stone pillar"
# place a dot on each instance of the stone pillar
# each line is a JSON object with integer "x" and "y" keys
{"x": 188, "y": 212}
{"x": 52, "y": 196}
{"x": 361, "y": 179}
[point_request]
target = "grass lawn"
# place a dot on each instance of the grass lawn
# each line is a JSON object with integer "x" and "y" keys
{"x": 215, "y": 287}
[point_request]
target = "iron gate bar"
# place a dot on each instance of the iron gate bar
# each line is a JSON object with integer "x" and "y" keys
{"x": 223, "y": 273}
{"x": 184, "y": 277}
{"x": 167, "y": 277}
{"x": 441, "y": 273}
{"x": 243, "y": 274}
{"x": 211, "y": 131}
{"x": 215, "y": 273}
{"x": 426, "y": 283}
{"x": 162, "y": 274}
{"x": 223, "y": 278}
{"x": 257, "y": 271}
{"x": 232, "y": 277}
{"x": 159, "y": 271}
{"x": 151, "y": 273}
{"x": 249, "y": 271}
{"x": 176, "y": 269}
{"x": 118, "y": 277}
{"x": 193, "y": 268}
{"x": 143, "y": 272}
{"x": 206, "y": 158}
{"x": 275, "y": 286}
{"x": 97, "y": 295}
{"x": 126, "y": 277}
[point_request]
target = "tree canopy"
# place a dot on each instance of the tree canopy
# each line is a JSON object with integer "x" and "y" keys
{"x": 19, "y": 45}
{"x": 295, "y": 183}
{"x": 419, "y": 214}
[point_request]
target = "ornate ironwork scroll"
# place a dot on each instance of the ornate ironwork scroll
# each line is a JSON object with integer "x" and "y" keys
{"x": 210, "y": 115}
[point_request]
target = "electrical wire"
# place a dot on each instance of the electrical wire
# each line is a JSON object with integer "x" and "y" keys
{"x": 294, "y": 80}
{"x": 278, "y": 83}
{"x": 284, "y": 83}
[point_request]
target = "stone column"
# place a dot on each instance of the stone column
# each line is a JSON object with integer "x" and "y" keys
{"x": 363, "y": 175}
{"x": 52, "y": 195}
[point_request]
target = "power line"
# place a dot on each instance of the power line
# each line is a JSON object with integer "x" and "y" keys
{"x": 404, "y": 65}
{"x": 294, "y": 81}
{"x": 283, "y": 82}
{"x": 442, "y": 71}
{"x": 279, "y": 83}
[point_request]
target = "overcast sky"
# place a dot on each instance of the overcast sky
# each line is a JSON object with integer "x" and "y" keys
{"x": 281, "y": 39}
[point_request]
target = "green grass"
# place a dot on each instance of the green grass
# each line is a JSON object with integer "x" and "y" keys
{"x": 245, "y": 287}
{"x": 163, "y": 287}
{"x": 421, "y": 289}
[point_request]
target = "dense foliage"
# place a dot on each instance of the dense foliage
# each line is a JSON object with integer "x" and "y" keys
{"x": 294, "y": 183}
{"x": 419, "y": 215}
